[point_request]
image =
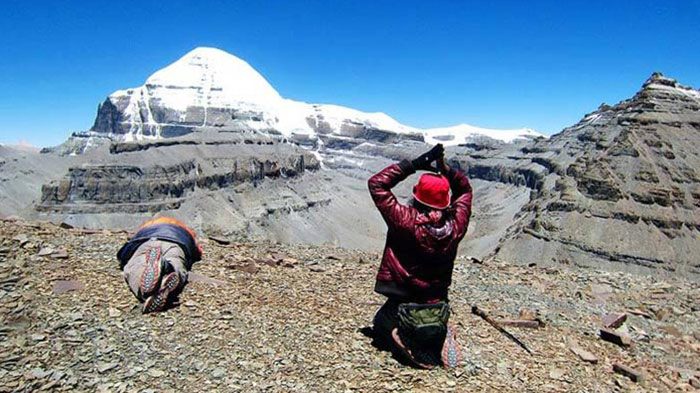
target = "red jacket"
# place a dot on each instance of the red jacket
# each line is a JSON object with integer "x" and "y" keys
{"x": 420, "y": 249}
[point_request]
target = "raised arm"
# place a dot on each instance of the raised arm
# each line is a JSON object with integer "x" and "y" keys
{"x": 394, "y": 213}
{"x": 461, "y": 198}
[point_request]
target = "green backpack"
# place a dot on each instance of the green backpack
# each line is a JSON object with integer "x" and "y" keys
{"x": 423, "y": 328}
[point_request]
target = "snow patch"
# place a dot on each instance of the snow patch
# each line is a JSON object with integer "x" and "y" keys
{"x": 211, "y": 78}
{"x": 689, "y": 91}
{"x": 451, "y": 136}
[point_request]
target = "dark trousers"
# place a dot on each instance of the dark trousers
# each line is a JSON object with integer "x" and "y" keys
{"x": 386, "y": 319}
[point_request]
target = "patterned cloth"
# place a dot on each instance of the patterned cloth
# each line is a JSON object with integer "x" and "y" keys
{"x": 170, "y": 252}
{"x": 163, "y": 228}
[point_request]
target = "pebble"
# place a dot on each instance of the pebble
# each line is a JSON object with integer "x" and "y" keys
{"x": 104, "y": 367}
{"x": 294, "y": 330}
{"x": 39, "y": 373}
{"x": 218, "y": 373}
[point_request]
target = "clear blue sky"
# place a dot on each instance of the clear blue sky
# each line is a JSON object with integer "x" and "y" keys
{"x": 540, "y": 64}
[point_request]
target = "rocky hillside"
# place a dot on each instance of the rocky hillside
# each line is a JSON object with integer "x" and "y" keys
{"x": 219, "y": 182}
{"x": 621, "y": 187}
{"x": 207, "y": 139}
{"x": 260, "y": 316}
{"x": 22, "y": 175}
{"x": 159, "y": 175}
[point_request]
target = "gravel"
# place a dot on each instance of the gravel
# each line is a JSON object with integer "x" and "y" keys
{"x": 299, "y": 321}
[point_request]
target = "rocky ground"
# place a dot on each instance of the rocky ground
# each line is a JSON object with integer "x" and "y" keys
{"x": 277, "y": 318}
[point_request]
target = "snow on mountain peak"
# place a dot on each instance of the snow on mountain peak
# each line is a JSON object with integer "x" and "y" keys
{"x": 211, "y": 77}
{"x": 208, "y": 87}
{"x": 461, "y": 133}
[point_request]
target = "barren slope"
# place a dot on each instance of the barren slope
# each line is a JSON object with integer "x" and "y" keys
{"x": 294, "y": 321}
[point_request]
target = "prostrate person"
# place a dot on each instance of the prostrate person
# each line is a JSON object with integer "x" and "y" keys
{"x": 421, "y": 246}
{"x": 157, "y": 259}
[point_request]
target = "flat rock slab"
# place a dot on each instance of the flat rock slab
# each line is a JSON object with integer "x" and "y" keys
{"x": 220, "y": 240}
{"x": 583, "y": 354}
{"x": 523, "y": 323}
{"x": 614, "y": 321}
{"x": 695, "y": 382}
{"x": 45, "y": 251}
{"x": 629, "y": 372}
{"x": 639, "y": 312}
{"x": 249, "y": 267}
{"x": 104, "y": 367}
{"x": 59, "y": 254}
{"x": 620, "y": 339}
{"x": 601, "y": 293}
{"x": 195, "y": 277}
{"x": 64, "y": 286}
{"x": 21, "y": 239}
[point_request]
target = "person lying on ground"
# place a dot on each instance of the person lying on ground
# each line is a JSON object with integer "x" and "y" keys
{"x": 416, "y": 267}
{"x": 156, "y": 261}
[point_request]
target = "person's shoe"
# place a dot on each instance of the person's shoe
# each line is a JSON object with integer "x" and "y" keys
{"x": 158, "y": 301}
{"x": 451, "y": 353}
{"x": 151, "y": 274}
{"x": 406, "y": 352}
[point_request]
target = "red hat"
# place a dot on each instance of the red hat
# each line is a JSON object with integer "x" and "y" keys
{"x": 433, "y": 191}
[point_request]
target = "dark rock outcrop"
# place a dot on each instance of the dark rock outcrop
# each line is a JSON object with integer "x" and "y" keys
{"x": 620, "y": 186}
{"x": 168, "y": 172}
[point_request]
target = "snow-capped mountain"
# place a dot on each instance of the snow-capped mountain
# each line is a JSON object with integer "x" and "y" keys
{"x": 211, "y": 88}
{"x": 455, "y": 135}
{"x": 626, "y": 171}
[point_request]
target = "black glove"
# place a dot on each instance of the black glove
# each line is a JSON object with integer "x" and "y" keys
{"x": 423, "y": 162}
{"x": 442, "y": 165}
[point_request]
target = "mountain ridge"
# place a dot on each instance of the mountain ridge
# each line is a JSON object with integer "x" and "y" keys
{"x": 616, "y": 190}
{"x": 621, "y": 185}
{"x": 208, "y": 87}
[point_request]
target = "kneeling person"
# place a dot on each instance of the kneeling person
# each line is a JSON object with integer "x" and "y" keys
{"x": 421, "y": 246}
{"x": 157, "y": 259}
